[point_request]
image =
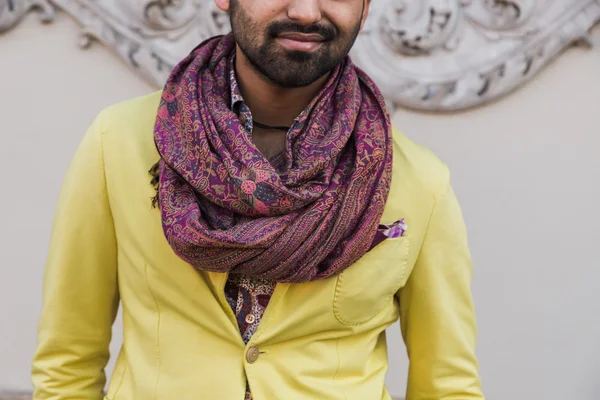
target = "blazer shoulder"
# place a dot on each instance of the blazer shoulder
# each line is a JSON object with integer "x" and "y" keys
{"x": 133, "y": 115}
{"x": 419, "y": 165}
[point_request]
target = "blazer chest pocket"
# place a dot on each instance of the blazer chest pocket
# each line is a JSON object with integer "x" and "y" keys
{"x": 363, "y": 289}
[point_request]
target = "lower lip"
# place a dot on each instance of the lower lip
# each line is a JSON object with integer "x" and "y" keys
{"x": 297, "y": 45}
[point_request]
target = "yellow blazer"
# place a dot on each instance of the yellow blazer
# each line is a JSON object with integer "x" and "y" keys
{"x": 322, "y": 340}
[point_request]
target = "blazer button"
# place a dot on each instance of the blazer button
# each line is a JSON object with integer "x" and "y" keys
{"x": 252, "y": 354}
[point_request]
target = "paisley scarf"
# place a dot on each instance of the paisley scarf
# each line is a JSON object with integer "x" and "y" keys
{"x": 226, "y": 209}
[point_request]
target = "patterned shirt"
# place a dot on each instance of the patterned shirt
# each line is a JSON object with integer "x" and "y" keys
{"x": 249, "y": 297}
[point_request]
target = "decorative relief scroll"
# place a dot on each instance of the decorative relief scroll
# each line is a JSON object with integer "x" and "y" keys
{"x": 436, "y": 55}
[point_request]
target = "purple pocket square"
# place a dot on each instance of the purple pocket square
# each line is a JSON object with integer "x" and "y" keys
{"x": 390, "y": 231}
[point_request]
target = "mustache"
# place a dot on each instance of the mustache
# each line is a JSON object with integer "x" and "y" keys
{"x": 276, "y": 28}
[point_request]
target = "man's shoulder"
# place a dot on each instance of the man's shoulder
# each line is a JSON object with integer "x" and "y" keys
{"x": 127, "y": 130}
{"x": 137, "y": 114}
{"x": 419, "y": 165}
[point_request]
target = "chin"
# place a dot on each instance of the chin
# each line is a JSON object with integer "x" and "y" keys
{"x": 300, "y": 56}
{"x": 294, "y": 82}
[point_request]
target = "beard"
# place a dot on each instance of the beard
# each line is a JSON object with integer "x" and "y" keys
{"x": 283, "y": 67}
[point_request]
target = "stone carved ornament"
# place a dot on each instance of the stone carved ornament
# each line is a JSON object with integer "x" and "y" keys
{"x": 432, "y": 55}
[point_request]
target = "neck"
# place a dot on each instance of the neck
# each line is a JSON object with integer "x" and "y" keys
{"x": 271, "y": 104}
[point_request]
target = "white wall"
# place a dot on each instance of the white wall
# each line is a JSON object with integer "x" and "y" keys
{"x": 526, "y": 170}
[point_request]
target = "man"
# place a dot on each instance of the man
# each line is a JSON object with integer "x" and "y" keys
{"x": 291, "y": 227}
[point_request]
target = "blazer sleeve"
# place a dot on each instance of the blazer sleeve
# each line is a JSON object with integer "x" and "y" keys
{"x": 436, "y": 310}
{"x": 80, "y": 295}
